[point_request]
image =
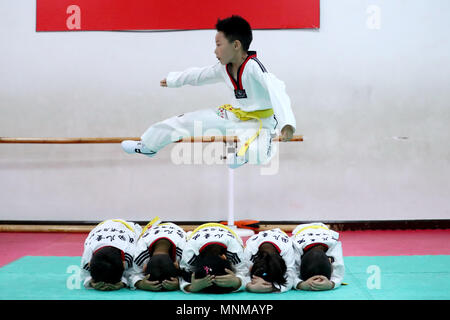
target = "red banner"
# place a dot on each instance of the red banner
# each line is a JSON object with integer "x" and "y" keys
{"x": 103, "y": 15}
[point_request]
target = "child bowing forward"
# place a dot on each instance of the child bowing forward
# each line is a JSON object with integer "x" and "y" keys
{"x": 213, "y": 260}
{"x": 107, "y": 261}
{"x": 319, "y": 258}
{"x": 158, "y": 253}
{"x": 271, "y": 260}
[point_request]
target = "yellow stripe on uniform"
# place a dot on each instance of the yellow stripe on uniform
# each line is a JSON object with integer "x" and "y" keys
{"x": 245, "y": 116}
{"x": 311, "y": 227}
{"x": 121, "y": 221}
{"x": 149, "y": 225}
{"x": 212, "y": 224}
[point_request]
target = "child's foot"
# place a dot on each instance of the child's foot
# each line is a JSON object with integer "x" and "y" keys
{"x": 131, "y": 146}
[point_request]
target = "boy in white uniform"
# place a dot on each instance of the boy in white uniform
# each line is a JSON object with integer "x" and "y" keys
{"x": 107, "y": 260}
{"x": 158, "y": 253}
{"x": 259, "y": 103}
{"x": 271, "y": 260}
{"x": 320, "y": 262}
{"x": 208, "y": 243}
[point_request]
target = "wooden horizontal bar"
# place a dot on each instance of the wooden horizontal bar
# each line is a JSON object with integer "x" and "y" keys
{"x": 80, "y": 140}
{"x": 286, "y": 226}
{"x": 88, "y": 228}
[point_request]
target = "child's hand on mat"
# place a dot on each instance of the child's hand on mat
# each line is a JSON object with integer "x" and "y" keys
{"x": 171, "y": 285}
{"x": 316, "y": 283}
{"x": 199, "y": 284}
{"x": 259, "y": 285}
{"x": 163, "y": 83}
{"x": 287, "y": 133}
{"x": 228, "y": 280}
{"x": 148, "y": 285}
{"x": 103, "y": 286}
{"x": 306, "y": 285}
{"x": 320, "y": 283}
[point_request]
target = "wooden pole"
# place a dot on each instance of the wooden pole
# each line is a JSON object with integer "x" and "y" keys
{"x": 120, "y": 139}
{"x": 80, "y": 140}
{"x": 87, "y": 228}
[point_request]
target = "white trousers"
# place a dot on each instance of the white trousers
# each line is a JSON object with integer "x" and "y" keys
{"x": 213, "y": 122}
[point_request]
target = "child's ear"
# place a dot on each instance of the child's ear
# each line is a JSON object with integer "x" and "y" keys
{"x": 236, "y": 44}
{"x": 176, "y": 264}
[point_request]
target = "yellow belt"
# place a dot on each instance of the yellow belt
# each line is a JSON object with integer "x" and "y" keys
{"x": 149, "y": 225}
{"x": 212, "y": 224}
{"x": 245, "y": 116}
{"x": 311, "y": 227}
{"x": 121, "y": 221}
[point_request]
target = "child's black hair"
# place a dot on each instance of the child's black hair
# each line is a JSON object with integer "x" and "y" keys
{"x": 161, "y": 267}
{"x": 315, "y": 263}
{"x": 236, "y": 28}
{"x": 210, "y": 262}
{"x": 212, "y": 265}
{"x": 269, "y": 266}
{"x": 106, "y": 265}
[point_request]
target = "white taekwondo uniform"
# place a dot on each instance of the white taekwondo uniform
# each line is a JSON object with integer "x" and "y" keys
{"x": 281, "y": 241}
{"x": 169, "y": 231}
{"x": 306, "y": 235}
{"x": 254, "y": 90}
{"x": 117, "y": 233}
{"x": 215, "y": 233}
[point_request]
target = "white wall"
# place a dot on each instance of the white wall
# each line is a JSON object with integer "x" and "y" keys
{"x": 354, "y": 91}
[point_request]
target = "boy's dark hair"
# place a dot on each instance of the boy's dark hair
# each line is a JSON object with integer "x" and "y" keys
{"x": 106, "y": 265}
{"x": 315, "y": 263}
{"x": 269, "y": 266}
{"x": 213, "y": 249}
{"x": 236, "y": 28}
{"x": 161, "y": 267}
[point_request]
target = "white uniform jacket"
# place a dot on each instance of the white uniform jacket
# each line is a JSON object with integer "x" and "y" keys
{"x": 281, "y": 241}
{"x": 219, "y": 234}
{"x": 254, "y": 89}
{"x": 117, "y": 233}
{"x": 170, "y": 231}
{"x": 306, "y": 235}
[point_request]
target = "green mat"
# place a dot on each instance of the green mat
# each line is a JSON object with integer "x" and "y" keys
{"x": 368, "y": 278}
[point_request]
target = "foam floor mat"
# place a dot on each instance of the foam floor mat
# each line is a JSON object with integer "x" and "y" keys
{"x": 424, "y": 277}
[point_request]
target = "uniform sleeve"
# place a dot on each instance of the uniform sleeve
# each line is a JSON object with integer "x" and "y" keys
{"x": 187, "y": 254}
{"x": 85, "y": 273}
{"x": 289, "y": 259}
{"x": 195, "y": 76}
{"x": 141, "y": 257}
{"x": 337, "y": 275}
{"x": 297, "y": 279}
{"x": 281, "y": 103}
{"x": 241, "y": 271}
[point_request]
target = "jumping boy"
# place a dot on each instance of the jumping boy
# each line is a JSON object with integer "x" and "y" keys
{"x": 258, "y": 108}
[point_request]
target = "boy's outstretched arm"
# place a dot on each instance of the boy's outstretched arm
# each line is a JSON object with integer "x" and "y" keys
{"x": 193, "y": 77}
